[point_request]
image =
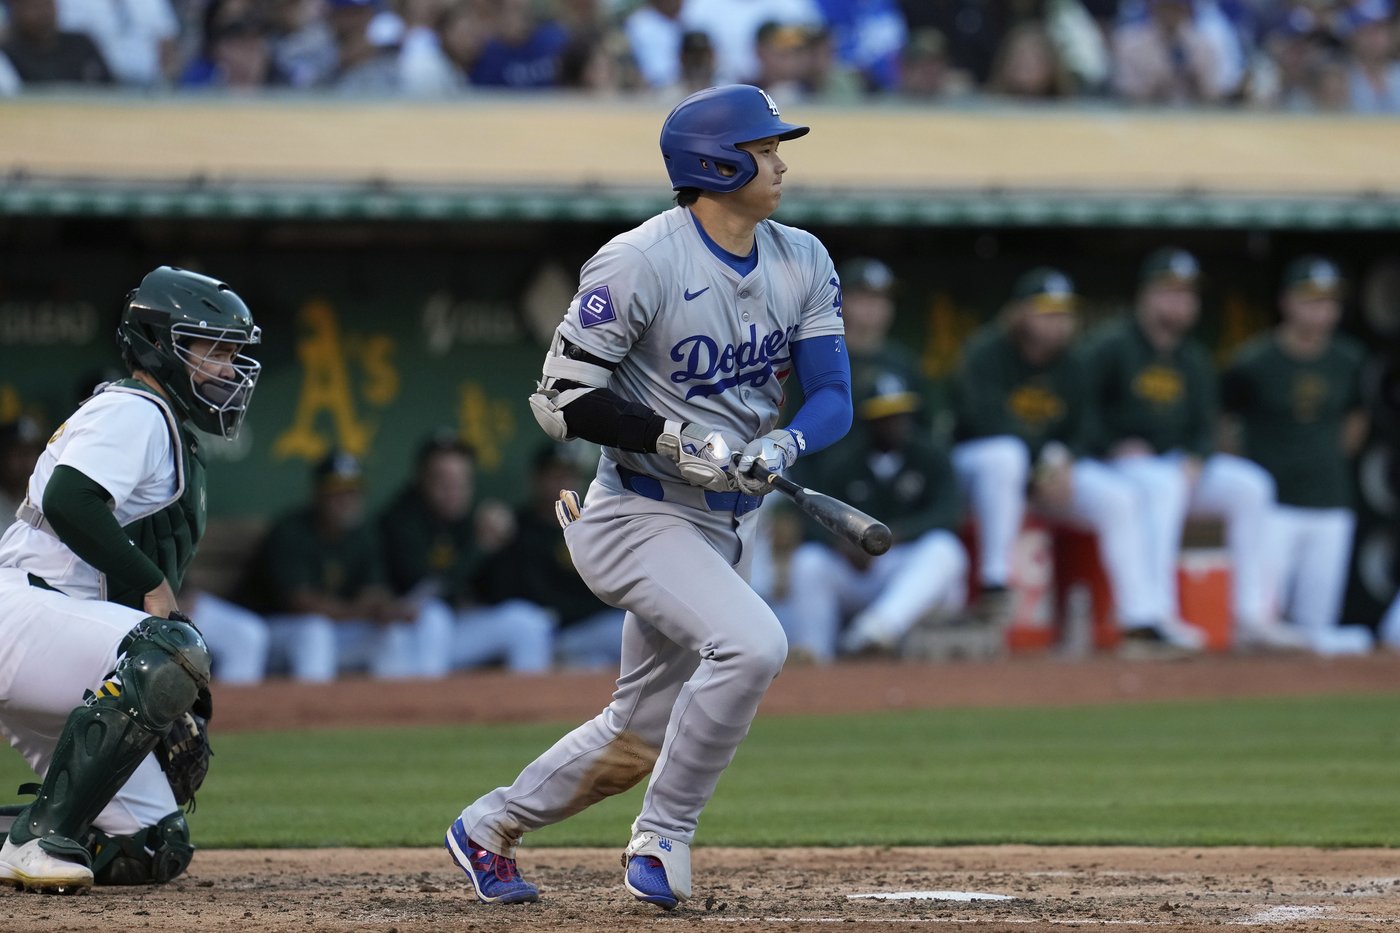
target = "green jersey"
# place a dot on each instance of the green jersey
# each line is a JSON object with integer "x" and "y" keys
{"x": 422, "y": 550}
{"x": 1133, "y": 390}
{"x": 912, "y": 491}
{"x": 996, "y": 392}
{"x": 295, "y": 557}
{"x": 1292, "y": 412}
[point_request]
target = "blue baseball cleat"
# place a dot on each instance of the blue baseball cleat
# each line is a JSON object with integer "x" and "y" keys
{"x": 658, "y": 869}
{"x": 646, "y": 879}
{"x": 494, "y": 877}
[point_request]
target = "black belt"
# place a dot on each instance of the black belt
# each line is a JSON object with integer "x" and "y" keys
{"x": 652, "y": 488}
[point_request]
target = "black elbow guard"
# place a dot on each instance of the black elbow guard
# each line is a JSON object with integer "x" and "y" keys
{"x": 604, "y": 418}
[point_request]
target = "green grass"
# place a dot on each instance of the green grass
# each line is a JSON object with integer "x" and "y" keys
{"x": 1320, "y": 772}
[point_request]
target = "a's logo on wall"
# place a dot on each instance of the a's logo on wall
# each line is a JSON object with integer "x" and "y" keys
{"x": 596, "y": 307}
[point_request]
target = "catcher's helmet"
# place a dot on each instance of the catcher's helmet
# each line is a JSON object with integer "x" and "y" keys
{"x": 168, "y": 309}
{"x": 705, "y": 130}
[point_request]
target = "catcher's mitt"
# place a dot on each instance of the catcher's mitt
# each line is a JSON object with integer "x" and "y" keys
{"x": 184, "y": 756}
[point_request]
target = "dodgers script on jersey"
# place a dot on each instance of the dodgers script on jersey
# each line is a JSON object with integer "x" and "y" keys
{"x": 695, "y": 341}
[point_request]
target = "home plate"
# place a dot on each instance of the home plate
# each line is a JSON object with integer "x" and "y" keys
{"x": 932, "y": 896}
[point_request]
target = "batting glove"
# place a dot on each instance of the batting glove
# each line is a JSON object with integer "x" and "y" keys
{"x": 774, "y": 452}
{"x": 702, "y": 454}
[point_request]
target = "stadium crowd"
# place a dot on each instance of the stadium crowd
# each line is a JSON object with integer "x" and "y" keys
{"x": 1296, "y": 55}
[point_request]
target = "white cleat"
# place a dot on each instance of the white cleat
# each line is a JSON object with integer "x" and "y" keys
{"x": 1270, "y": 636}
{"x": 30, "y": 868}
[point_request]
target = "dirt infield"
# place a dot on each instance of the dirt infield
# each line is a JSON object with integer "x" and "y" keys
{"x": 1032, "y": 888}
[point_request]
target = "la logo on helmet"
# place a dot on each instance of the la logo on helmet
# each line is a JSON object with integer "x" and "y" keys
{"x": 772, "y": 107}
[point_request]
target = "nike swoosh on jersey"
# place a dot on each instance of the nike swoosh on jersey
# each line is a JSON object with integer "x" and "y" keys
{"x": 691, "y": 296}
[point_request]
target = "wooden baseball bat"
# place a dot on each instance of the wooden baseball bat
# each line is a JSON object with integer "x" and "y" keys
{"x": 838, "y": 517}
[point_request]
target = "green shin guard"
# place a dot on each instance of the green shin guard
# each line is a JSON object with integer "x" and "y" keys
{"x": 164, "y": 665}
{"x": 154, "y": 855}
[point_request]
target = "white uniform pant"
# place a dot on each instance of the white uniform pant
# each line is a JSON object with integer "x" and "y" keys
{"x": 315, "y": 648}
{"x": 1235, "y": 489}
{"x": 517, "y": 633}
{"x": 893, "y": 593}
{"x": 993, "y": 473}
{"x": 1309, "y": 553}
{"x": 238, "y": 639}
{"x": 53, "y": 648}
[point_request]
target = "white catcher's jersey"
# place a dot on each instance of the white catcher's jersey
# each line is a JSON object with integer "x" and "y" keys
{"x": 694, "y": 341}
{"x": 119, "y": 440}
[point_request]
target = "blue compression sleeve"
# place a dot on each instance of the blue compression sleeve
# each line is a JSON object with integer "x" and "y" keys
{"x": 824, "y": 371}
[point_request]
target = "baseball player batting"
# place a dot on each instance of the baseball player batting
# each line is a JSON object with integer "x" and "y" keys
{"x": 98, "y": 669}
{"x": 672, "y": 356}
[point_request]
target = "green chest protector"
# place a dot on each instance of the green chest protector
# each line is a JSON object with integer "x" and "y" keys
{"x": 170, "y": 535}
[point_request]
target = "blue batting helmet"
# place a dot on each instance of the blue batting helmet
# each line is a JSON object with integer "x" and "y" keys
{"x": 705, "y": 130}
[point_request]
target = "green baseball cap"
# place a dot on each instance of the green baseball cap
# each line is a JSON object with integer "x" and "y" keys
{"x": 887, "y": 394}
{"x": 1314, "y": 275}
{"x": 1170, "y": 264}
{"x": 1048, "y": 290}
{"x": 872, "y": 275}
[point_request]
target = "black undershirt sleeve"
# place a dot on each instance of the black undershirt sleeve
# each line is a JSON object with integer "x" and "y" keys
{"x": 604, "y": 418}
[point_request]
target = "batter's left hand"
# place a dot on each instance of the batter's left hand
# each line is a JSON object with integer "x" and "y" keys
{"x": 774, "y": 452}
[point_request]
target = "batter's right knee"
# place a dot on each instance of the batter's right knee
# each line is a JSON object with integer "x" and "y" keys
{"x": 761, "y": 648}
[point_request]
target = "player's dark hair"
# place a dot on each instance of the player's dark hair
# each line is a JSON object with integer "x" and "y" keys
{"x": 687, "y": 196}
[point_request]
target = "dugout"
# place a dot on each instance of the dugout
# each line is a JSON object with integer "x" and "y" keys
{"x": 406, "y": 259}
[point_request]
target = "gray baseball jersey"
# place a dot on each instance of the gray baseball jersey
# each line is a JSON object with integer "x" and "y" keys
{"x": 696, "y": 342}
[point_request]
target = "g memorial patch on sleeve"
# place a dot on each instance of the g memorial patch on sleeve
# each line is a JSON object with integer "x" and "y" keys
{"x": 596, "y": 307}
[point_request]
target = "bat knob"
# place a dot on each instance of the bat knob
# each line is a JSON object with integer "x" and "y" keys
{"x": 877, "y": 539}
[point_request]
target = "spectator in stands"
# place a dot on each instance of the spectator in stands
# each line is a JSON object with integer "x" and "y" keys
{"x": 733, "y": 29}
{"x": 1150, "y": 416}
{"x": 1018, "y": 400}
{"x": 303, "y": 46}
{"x": 438, "y": 539}
{"x": 784, "y": 62}
{"x": 320, "y": 580}
{"x": 367, "y": 48}
{"x": 1329, "y": 87}
{"x": 21, "y": 442}
{"x": 971, "y": 32}
{"x": 535, "y": 567}
{"x": 425, "y": 67}
{"x": 697, "y": 68}
{"x": 654, "y": 31}
{"x": 890, "y": 469}
{"x": 463, "y": 33}
{"x": 137, "y": 37}
{"x": 1295, "y": 395}
{"x": 925, "y": 71}
{"x": 42, "y": 54}
{"x": 828, "y": 81}
{"x": 524, "y": 50}
{"x": 1176, "y": 52}
{"x": 1290, "y": 54}
{"x": 599, "y": 63}
{"x": 1374, "y": 73}
{"x": 868, "y": 36}
{"x": 1028, "y": 66}
{"x": 237, "y": 51}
